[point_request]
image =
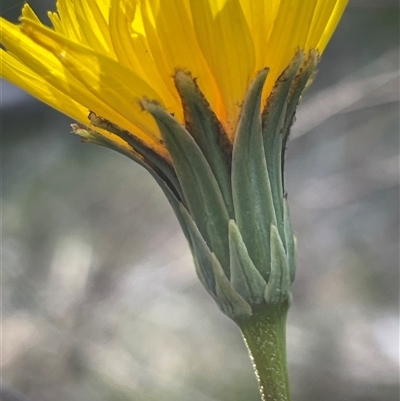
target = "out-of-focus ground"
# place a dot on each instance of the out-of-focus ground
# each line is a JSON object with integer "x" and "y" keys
{"x": 99, "y": 295}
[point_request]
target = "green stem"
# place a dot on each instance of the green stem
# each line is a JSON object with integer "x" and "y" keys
{"x": 265, "y": 336}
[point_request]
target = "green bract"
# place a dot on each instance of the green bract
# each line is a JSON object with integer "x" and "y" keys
{"x": 230, "y": 198}
{"x": 233, "y": 209}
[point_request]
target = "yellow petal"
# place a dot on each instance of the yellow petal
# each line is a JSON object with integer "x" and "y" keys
{"x": 260, "y": 17}
{"x": 132, "y": 49}
{"x": 96, "y": 33}
{"x": 106, "y": 55}
{"x": 69, "y": 26}
{"x": 332, "y": 23}
{"x": 322, "y": 12}
{"x": 27, "y": 12}
{"x": 44, "y": 64}
{"x": 17, "y": 73}
{"x": 227, "y": 45}
{"x": 173, "y": 44}
{"x": 107, "y": 81}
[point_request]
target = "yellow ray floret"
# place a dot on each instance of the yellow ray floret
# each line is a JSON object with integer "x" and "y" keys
{"x": 106, "y": 55}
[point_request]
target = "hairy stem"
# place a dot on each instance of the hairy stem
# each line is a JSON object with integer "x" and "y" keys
{"x": 265, "y": 336}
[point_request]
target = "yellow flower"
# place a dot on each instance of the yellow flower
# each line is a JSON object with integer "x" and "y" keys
{"x": 106, "y": 55}
{"x": 202, "y": 93}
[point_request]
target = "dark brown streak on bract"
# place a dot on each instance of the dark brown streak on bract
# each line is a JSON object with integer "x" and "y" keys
{"x": 157, "y": 163}
{"x": 223, "y": 140}
{"x": 301, "y": 81}
{"x": 137, "y": 144}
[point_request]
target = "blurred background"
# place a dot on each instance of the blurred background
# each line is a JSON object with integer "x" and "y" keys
{"x": 99, "y": 294}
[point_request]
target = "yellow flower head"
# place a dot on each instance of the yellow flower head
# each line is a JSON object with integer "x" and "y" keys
{"x": 105, "y": 56}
